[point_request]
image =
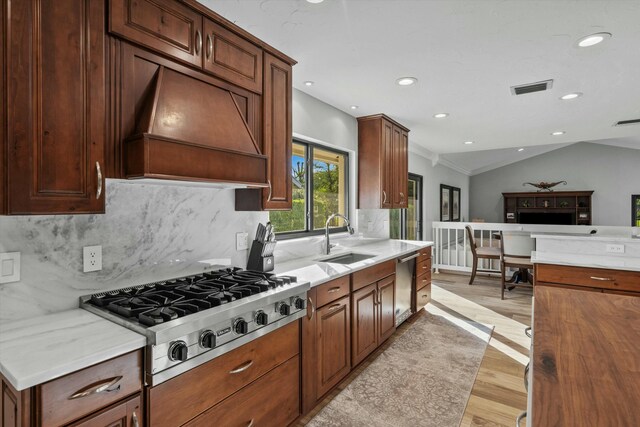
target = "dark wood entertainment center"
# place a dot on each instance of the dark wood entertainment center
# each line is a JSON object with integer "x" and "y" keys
{"x": 550, "y": 207}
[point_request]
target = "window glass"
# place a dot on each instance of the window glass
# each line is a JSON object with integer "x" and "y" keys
{"x": 329, "y": 187}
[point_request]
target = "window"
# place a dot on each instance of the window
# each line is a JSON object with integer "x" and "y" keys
{"x": 320, "y": 188}
{"x": 406, "y": 223}
{"x": 635, "y": 210}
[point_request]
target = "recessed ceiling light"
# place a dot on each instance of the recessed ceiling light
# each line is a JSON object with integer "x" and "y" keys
{"x": 468, "y": 142}
{"x": 308, "y": 83}
{"x": 406, "y": 81}
{"x": 520, "y": 149}
{"x": 354, "y": 107}
{"x": 440, "y": 115}
{"x": 558, "y": 133}
{"x": 569, "y": 96}
{"x": 315, "y": 1}
{"x": 593, "y": 39}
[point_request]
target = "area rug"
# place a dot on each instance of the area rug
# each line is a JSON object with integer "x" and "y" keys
{"x": 424, "y": 378}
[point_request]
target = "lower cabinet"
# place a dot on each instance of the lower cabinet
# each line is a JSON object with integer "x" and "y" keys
{"x": 333, "y": 339}
{"x": 421, "y": 293}
{"x": 364, "y": 326}
{"x": 620, "y": 282}
{"x": 126, "y": 414}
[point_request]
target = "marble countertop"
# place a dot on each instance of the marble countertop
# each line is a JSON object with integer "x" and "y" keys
{"x": 589, "y": 237}
{"x": 592, "y": 261}
{"x": 37, "y": 350}
{"x": 313, "y": 270}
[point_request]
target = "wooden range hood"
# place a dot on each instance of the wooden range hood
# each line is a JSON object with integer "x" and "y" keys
{"x": 189, "y": 130}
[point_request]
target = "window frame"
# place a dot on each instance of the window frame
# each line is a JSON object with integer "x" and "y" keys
{"x": 634, "y": 209}
{"x": 309, "y": 231}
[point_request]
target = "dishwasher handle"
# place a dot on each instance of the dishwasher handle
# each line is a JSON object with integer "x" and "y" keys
{"x": 409, "y": 258}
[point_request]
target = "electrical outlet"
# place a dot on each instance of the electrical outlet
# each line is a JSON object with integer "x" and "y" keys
{"x": 242, "y": 241}
{"x": 9, "y": 267}
{"x": 615, "y": 249}
{"x": 370, "y": 226}
{"x": 92, "y": 258}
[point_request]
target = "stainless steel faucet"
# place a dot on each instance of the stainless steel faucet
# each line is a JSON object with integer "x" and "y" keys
{"x": 327, "y": 245}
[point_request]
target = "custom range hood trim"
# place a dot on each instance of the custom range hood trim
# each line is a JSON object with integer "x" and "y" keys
{"x": 174, "y": 130}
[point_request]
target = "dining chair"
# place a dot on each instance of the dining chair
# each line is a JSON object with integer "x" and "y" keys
{"x": 515, "y": 252}
{"x": 479, "y": 253}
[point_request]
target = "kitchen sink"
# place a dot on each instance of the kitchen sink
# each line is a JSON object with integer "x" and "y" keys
{"x": 349, "y": 258}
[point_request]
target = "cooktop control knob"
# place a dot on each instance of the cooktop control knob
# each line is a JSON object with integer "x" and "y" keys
{"x": 284, "y": 309}
{"x": 240, "y": 326}
{"x": 208, "y": 339}
{"x": 178, "y": 351}
{"x": 262, "y": 318}
{"x": 299, "y": 303}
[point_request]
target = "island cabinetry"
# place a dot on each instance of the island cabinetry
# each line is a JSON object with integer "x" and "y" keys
{"x": 106, "y": 394}
{"x": 382, "y": 163}
{"x": 594, "y": 279}
{"x": 373, "y": 308}
{"x": 326, "y": 340}
{"x": 421, "y": 294}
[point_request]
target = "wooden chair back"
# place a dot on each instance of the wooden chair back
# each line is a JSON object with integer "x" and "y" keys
{"x": 517, "y": 245}
{"x": 472, "y": 241}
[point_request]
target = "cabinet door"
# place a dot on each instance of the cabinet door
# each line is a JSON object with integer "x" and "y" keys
{"x": 333, "y": 344}
{"x": 126, "y": 414}
{"x": 277, "y": 139}
{"x": 386, "y": 308}
{"x": 364, "y": 323}
{"x": 165, "y": 26}
{"x": 308, "y": 361}
{"x": 400, "y": 168}
{"x": 56, "y": 114}
{"x": 231, "y": 57}
{"x": 386, "y": 166}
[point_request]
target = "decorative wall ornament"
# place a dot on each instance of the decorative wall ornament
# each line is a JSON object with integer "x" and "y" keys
{"x": 545, "y": 186}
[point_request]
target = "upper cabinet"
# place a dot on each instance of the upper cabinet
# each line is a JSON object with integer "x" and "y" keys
{"x": 55, "y": 107}
{"x": 382, "y": 163}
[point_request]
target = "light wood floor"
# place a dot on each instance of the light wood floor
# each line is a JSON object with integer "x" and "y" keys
{"x": 498, "y": 394}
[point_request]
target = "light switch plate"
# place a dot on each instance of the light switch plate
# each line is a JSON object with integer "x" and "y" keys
{"x": 242, "y": 241}
{"x": 9, "y": 267}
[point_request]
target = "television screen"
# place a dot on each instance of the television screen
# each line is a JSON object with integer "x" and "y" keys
{"x": 555, "y": 218}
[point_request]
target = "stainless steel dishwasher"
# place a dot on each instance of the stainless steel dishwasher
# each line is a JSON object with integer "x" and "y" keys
{"x": 405, "y": 269}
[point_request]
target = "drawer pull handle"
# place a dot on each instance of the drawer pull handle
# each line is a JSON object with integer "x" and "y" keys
{"x": 424, "y": 267}
{"x": 134, "y": 420}
{"x": 384, "y": 196}
{"x": 526, "y": 376}
{"x": 106, "y": 386}
{"x": 250, "y": 423}
{"x": 527, "y": 331}
{"x": 424, "y": 280}
{"x": 270, "y": 190}
{"x": 425, "y": 296}
{"x": 332, "y": 290}
{"x": 334, "y": 307}
{"x": 603, "y": 279}
{"x": 198, "y": 42}
{"x": 313, "y": 309}
{"x": 209, "y": 46}
{"x": 99, "y": 179}
{"x": 242, "y": 367}
{"x": 520, "y": 418}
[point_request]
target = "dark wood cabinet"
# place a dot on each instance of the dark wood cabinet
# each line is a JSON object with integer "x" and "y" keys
{"x": 622, "y": 282}
{"x": 326, "y": 340}
{"x": 55, "y": 117}
{"x": 333, "y": 344}
{"x": 15, "y": 406}
{"x": 277, "y": 140}
{"x": 421, "y": 287}
{"x": 548, "y": 207}
{"x": 373, "y": 309}
{"x": 382, "y": 163}
{"x": 125, "y": 414}
{"x": 166, "y": 26}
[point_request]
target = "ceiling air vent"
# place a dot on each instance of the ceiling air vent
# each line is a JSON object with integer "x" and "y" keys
{"x": 627, "y": 122}
{"x": 531, "y": 87}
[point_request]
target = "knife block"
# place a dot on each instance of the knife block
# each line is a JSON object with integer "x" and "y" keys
{"x": 257, "y": 261}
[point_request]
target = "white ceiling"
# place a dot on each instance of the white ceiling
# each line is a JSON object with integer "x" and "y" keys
{"x": 466, "y": 55}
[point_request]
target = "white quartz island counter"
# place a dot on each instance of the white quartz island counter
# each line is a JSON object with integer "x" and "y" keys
{"x": 37, "y": 350}
{"x": 313, "y": 270}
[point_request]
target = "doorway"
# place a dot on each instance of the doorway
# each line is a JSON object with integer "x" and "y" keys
{"x": 407, "y": 223}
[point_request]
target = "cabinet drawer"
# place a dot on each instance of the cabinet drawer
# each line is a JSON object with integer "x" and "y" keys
{"x": 423, "y": 266}
{"x": 590, "y": 277}
{"x": 181, "y": 398}
{"x": 423, "y": 280}
{"x": 231, "y": 57}
{"x": 423, "y": 296}
{"x": 362, "y": 278}
{"x": 273, "y": 400}
{"x": 165, "y": 26}
{"x": 424, "y": 253}
{"x": 58, "y": 406}
{"x": 332, "y": 291}
{"x": 127, "y": 413}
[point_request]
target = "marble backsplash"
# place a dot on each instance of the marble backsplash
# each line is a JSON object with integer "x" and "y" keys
{"x": 149, "y": 232}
